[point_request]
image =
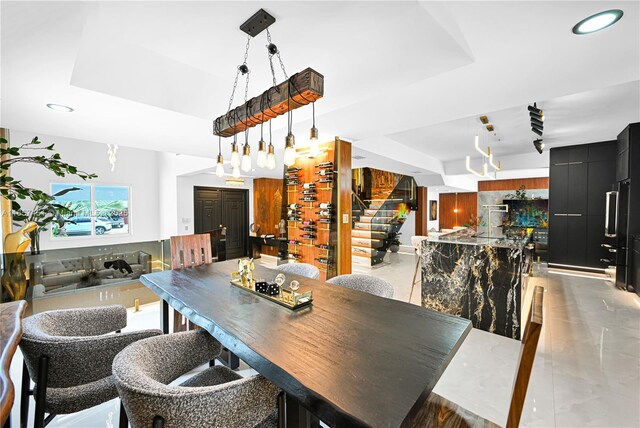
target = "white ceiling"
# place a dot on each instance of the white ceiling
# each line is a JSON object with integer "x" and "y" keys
{"x": 403, "y": 80}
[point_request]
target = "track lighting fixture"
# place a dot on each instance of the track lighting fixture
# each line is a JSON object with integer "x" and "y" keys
{"x": 536, "y": 116}
{"x": 539, "y": 145}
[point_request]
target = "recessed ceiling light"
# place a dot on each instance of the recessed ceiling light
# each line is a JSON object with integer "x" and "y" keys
{"x": 598, "y": 22}
{"x": 59, "y": 107}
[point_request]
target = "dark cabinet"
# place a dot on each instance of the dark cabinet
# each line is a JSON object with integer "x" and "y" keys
{"x": 579, "y": 177}
{"x": 601, "y": 175}
{"x": 577, "y": 188}
{"x": 558, "y": 239}
{"x": 623, "y": 155}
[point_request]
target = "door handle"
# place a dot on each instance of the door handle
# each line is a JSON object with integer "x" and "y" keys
{"x": 561, "y": 215}
{"x": 574, "y": 215}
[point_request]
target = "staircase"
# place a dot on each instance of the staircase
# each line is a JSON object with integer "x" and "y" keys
{"x": 376, "y": 221}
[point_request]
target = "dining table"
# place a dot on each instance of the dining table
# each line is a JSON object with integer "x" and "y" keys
{"x": 349, "y": 359}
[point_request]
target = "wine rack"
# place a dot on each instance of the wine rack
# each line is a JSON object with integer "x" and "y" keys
{"x": 311, "y": 210}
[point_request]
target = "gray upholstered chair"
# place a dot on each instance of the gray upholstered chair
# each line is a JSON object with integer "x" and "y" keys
{"x": 69, "y": 354}
{"x": 215, "y": 397}
{"x": 367, "y": 283}
{"x": 302, "y": 269}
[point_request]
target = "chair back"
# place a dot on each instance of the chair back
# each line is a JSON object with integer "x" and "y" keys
{"x": 367, "y": 283}
{"x": 532, "y": 330}
{"x": 416, "y": 241}
{"x": 190, "y": 250}
{"x": 302, "y": 269}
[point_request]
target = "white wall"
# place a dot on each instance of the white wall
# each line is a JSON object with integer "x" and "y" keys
{"x": 433, "y": 196}
{"x": 408, "y": 229}
{"x": 185, "y": 185}
{"x": 135, "y": 168}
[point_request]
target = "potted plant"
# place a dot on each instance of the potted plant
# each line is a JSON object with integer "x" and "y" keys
{"x": 394, "y": 243}
{"x": 45, "y": 211}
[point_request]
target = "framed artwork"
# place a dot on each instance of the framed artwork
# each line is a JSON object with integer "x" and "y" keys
{"x": 433, "y": 210}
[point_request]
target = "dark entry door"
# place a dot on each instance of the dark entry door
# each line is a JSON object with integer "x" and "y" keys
{"x": 215, "y": 208}
{"x": 235, "y": 218}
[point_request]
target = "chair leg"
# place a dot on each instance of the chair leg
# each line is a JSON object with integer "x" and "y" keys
{"x": 124, "y": 420}
{"x": 41, "y": 391}
{"x": 413, "y": 283}
{"x": 24, "y": 396}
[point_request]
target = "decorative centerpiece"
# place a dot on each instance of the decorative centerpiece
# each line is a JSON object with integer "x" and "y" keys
{"x": 289, "y": 296}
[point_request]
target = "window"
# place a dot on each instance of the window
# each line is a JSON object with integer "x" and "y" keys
{"x": 97, "y": 210}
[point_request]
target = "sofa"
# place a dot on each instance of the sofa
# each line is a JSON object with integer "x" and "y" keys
{"x": 87, "y": 271}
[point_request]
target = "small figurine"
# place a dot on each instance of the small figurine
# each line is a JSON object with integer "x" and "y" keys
{"x": 246, "y": 267}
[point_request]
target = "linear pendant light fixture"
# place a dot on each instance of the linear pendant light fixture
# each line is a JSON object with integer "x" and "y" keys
{"x": 487, "y": 156}
{"x": 295, "y": 91}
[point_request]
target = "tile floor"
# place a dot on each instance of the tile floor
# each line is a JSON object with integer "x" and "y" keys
{"x": 586, "y": 372}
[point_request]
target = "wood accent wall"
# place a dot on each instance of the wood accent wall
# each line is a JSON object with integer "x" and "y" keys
{"x": 513, "y": 184}
{"x": 422, "y": 215}
{"x": 467, "y": 206}
{"x": 267, "y": 207}
{"x": 343, "y": 162}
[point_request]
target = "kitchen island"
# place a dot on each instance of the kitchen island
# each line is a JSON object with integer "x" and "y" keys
{"x": 477, "y": 278}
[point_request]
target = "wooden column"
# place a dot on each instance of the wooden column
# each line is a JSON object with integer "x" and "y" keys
{"x": 422, "y": 215}
{"x": 5, "y": 204}
{"x": 268, "y": 200}
{"x": 343, "y": 156}
{"x": 456, "y": 209}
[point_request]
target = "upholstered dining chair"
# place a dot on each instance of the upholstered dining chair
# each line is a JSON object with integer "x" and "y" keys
{"x": 68, "y": 354}
{"x": 188, "y": 251}
{"x": 367, "y": 283}
{"x": 215, "y": 397}
{"x": 302, "y": 269}
{"x": 440, "y": 412}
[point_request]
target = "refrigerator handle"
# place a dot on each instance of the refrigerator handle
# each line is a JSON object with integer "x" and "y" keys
{"x": 607, "y": 219}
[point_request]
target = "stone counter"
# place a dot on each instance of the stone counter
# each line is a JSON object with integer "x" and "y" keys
{"x": 480, "y": 279}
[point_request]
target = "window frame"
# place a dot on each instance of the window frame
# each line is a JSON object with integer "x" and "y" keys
{"x": 93, "y": 211}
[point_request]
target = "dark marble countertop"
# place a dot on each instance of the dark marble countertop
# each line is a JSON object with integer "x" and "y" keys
{"x": 465, "y": 239}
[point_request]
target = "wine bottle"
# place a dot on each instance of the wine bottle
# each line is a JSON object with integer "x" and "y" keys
{"x": 323, "y": 261}
{"x": 295, "y": 256}
{"x": 308, "y": 235}
{"x": 309, "y": 222}
{"x": 294, "y": 183}
{"x": 325, "y": 220}
{"x": 308, "y": 229}
{"x": 325, "y": 205}
{"x": 325, "y": 180}
{"x": 294, "y": 213}
{"x": 309, "y": 186}
{"x": 309, "y": 192}
{"x": 324, "y": 213}
{"x": 325, "y": 165}
{"x": 294, "y": 218}
{"x": 295, "y": 206}
{"x": 309, "y": 199}
{"x": 293, "y": 170}
{"x": 293, "y": 242}
{"x": 325, "y": 172}
{"x": 323, "y": 246}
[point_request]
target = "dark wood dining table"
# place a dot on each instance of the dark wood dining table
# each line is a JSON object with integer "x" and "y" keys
{"x": 350, "y": 358}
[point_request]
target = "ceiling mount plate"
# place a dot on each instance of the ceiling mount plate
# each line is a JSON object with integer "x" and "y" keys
{"x": 257, "y": 23}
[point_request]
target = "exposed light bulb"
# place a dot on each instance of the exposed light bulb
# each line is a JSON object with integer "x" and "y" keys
{"x": 220, "y": 167}
{"x": 246, "y": 158}
{"x": 235, "y": 156}
{"x": 290, "y": 151}
{"x": 262, "y": 154}
{"x": 271, "y": 158}
{"x": 236, "y": 172}
{"x": 314, "y": 144}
